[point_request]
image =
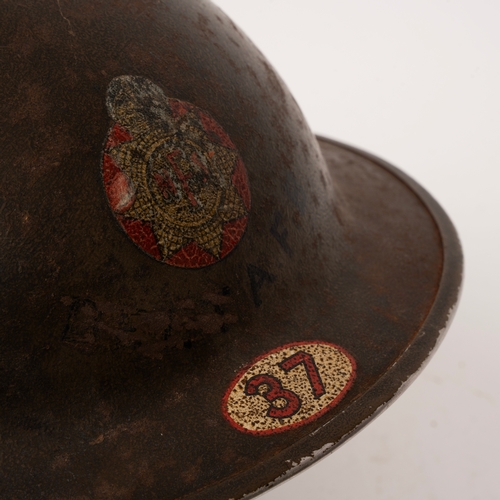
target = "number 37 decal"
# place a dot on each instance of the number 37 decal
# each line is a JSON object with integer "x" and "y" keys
{"x": 289, "y": 386}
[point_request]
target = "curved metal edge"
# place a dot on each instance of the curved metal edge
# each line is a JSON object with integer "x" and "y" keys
{"x": 395, "y": 380}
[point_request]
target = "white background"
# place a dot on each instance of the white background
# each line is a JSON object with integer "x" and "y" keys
{"x": 417, "y": 83}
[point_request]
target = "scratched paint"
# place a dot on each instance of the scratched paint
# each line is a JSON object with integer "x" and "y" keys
{"x": 174, "y": 179}
{"x": 288, "y": 387}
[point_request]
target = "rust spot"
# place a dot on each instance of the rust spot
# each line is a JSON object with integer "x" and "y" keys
{"x": 98, "y": 440}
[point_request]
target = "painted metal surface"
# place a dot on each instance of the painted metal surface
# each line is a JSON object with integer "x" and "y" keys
{"x": 120, "y": 345}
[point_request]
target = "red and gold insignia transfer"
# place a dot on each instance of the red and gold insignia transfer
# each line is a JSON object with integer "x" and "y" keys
{"x": 288, "y": 387}
{"x": 173, "y": 178}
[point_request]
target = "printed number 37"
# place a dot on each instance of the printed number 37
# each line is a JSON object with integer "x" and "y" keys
{"x": 285, "y": 403}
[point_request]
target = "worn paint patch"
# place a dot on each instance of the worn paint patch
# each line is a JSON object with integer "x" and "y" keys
{"x": 288, "y": 387}
{"x": 173, "y": 177}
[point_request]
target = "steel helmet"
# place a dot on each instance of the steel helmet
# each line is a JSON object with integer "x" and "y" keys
{"x": 199, "y": 297}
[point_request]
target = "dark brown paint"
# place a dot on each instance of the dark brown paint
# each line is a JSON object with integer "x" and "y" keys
{"x": 113, "y": 366}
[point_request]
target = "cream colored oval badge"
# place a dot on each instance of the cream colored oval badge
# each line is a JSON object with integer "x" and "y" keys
{"x": 288, "y": 387}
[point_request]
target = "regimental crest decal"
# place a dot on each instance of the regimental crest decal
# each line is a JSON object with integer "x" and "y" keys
{"x": 173, "y": 177}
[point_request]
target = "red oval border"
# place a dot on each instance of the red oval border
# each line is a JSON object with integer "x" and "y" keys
{"x": 313, "y": 417}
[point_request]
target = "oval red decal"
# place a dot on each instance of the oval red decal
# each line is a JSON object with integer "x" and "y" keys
{"x": 173, "y": 177}
{"x": 288, "y": 387}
